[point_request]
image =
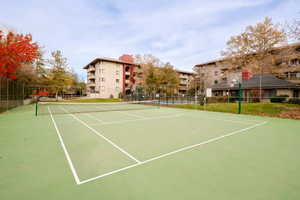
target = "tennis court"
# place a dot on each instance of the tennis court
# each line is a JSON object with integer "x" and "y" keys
{"x": 135, "y": 149}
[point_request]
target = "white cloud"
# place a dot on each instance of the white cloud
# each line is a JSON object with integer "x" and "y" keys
{"x": 182, "y": 32}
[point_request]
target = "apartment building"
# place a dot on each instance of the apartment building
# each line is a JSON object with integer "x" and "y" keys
{"x": 186, "y": 79}
{"x": 285, "y": 63}
{"x": 108, "y": 78}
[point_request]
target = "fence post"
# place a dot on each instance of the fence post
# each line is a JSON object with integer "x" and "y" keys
{"x": 23, "y": 93}
{"x": 0, "y": 93}
{"x": 240, "y": 99}
{"x": 7, "y": 93}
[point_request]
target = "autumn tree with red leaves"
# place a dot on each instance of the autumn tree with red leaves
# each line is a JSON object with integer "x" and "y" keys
{"x": 15, "y": 50}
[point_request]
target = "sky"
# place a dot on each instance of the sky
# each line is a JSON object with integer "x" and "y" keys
{"x": 182, "y": 32}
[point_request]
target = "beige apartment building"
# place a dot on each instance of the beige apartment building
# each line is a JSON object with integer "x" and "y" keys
{"x": 285, "y": 63}
{"x": 186, "y": 79}
{"x": 108, "y": 78}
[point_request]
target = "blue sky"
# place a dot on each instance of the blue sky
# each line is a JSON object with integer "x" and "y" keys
{"x": 184, "y": 33}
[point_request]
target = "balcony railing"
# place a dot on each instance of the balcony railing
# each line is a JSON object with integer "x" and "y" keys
{"x": 90, "y": 69}
{"x": 91, "y": 76}
{"x": 91, "y": 84}
{"x": 182, "y": 88}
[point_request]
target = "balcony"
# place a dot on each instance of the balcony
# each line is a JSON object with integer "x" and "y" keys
{"x": 91, "y": 76}
{"x": 183, "y": 76}
{"x": 292, "y": 75}
{"x": 184, "y": 82}
{"x": 91, "y": 84}
{"x": 91, "y": 69}
{"x": 127, "y": 73}
{"x": 182, "y": 88}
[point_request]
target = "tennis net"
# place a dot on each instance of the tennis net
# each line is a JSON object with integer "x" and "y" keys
{"x": 43, "y": 108}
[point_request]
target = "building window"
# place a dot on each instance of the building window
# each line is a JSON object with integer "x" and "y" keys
{"x": 202, "y": 74}
{"x": 102, "y": 79}
{"x": 216, "y": 81}
{"x": 216, "y": 73}
{"x": 117, "y": 80}
{"x": 295, "y": 61}
{"x": 117, "y": 72}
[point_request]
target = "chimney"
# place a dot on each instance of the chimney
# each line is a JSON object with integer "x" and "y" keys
{"x": 126, "y": 58}
{"x": 246, "y": 74}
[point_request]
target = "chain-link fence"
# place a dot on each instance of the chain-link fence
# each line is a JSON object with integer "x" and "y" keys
{"x": 12, "y": 93}
{"x": 277, "y": 106}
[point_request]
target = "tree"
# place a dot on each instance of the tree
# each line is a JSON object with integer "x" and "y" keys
{"x": 33, "y": 73}
{"x": 148, "y": 73}
{"x": 156, "y": 75}
{"x": 168, "y": 79}
{"x": 40, "y": 67}
{"x": 15, "y": 50}
{"x": 151, "y": 83}
{"x": 294, "y": 29}
{"x": 253, "y": 47}
{"x": 147, "y": 59}
{"x": 60, "y": 76}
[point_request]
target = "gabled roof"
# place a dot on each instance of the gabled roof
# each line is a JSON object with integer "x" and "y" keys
{"x": 108, "y": 60}
{"x": 267, "y": 81}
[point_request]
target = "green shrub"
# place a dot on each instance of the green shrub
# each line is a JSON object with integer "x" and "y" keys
{"x": 294, "y": 101}
{"x": 279, "y": 98}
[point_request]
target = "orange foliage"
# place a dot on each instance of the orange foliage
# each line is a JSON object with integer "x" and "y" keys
{"x": 15, "y": 49}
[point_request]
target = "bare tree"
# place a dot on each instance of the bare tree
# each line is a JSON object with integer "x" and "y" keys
{"x": 253, "y": 47}
{"x": 294, "y": 29}
{"x": 147, "y": 73}
{"x": 157, "y": 76}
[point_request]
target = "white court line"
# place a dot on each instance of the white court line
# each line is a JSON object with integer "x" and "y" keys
{"x": 227, "y": 120}
{"x": 231, "y": 115}
{"x": 165, "y": 117}
{"x": 174, "y": 152}
{"x": 65, "y": 149}
{"x": 105, "y": 138}
{"x": 134, "y": 120}
{"x": 95, "y": 118}
{"x": 132, "y": 115}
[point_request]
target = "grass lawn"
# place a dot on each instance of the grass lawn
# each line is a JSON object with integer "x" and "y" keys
{"x": 265, "y": 109}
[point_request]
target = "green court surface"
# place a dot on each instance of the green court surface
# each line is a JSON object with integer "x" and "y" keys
{"x": 158, "y": 153}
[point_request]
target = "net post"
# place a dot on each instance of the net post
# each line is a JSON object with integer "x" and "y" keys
{"x": 36, "y": 106}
